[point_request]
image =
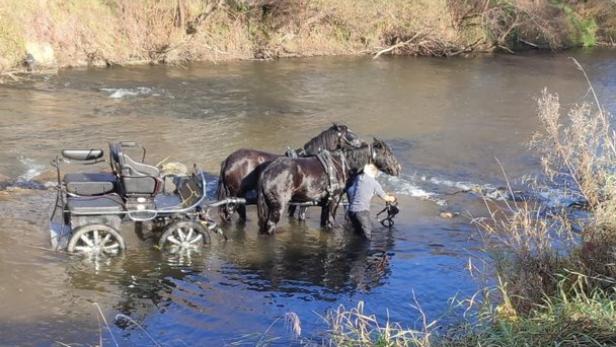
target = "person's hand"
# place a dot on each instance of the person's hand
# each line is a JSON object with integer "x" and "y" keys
{"x": 390, "y": 198}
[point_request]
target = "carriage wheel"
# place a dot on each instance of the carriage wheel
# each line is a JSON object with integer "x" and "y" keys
{"x": 184, "y": 236}
{"x": 96, "y": 239}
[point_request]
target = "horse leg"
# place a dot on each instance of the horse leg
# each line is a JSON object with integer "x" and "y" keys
{"x": 263, "y": 210}
{"x": 241, "y": 211}
{"x": 302, "y": 213}
{"x": 328, "y": 213}
{"x": 241, "y": 208}
{"x": 325, "y": 222}
{"x": 292, "y": 209}
{"x": 333, "y": 208}
{"x": 276, "y": 212}
{"x": 222, "y": 193}
{"x": 270, "y": 209}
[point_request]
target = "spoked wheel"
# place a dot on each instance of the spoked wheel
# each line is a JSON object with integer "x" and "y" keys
{"x": 96, "y": 239}
{"x": 186, "y": 236}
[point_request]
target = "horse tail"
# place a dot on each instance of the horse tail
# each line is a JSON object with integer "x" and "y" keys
{"x": 223, "y": 192}
{"x": 262, "y": 207}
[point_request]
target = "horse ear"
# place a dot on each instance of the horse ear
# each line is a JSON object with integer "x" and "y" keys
{"x": 376, "y": 142}
{"x": 336, "y": 126}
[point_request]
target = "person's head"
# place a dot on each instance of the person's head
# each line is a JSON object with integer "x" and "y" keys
{"x": 371, "y": 170}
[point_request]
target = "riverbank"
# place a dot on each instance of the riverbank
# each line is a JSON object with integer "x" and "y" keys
{"x": 41, "y": 35}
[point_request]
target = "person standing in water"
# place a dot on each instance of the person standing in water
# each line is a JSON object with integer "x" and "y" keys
{"x": 359, "y": 194}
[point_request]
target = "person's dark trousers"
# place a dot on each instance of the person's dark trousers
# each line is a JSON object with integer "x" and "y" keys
{"x": 361, "y": 223}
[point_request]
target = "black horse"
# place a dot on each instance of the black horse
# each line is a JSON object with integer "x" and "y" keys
{"x": 239, "y": 172}
{"x": 307, "y": 180}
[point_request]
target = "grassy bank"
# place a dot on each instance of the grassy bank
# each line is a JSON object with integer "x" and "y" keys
{"x": 555, "y": 267}
{"x": 107, "y": 32}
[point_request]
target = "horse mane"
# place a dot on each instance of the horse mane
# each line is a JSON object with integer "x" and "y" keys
{"x": 356, "y": 158}
{"x": 328, "y": 139}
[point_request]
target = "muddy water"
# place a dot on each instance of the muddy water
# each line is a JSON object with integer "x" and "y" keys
{"x": 447, "y": 121}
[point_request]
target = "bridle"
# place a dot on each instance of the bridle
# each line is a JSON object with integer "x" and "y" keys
{"x": 372, "y": 153}
{"x": 343, "y": 139}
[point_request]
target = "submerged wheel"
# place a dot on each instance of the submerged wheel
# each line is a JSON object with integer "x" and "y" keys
{"x": 96, "y": 239}
{"x": 184, "y": 236}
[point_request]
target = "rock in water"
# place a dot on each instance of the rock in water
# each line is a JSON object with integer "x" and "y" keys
{"x": 448, "y": 214}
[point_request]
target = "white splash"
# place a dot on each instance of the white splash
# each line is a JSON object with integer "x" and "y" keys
{"x": 119, "y": 93}
{"x": 404, "y": 186}
{"x": 33, "y": 169}
{"x": 555, "y": 198}
{"x": 437, "y": 189}
{"x": 461, "y": 185}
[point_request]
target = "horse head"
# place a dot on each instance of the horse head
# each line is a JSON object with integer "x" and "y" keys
{"x": 384, "y": 159}
{"x": 346, "y": 137}
{"x": 336, "y": 137}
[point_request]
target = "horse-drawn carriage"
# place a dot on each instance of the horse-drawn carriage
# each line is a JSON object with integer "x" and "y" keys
{"x": 316, "y": 175}
{"x": 91, "y": 206}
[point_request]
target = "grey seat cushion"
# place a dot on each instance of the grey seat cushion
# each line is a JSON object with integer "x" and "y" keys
{"x": 109, "y": 204}
{"x": 83, "y": 183}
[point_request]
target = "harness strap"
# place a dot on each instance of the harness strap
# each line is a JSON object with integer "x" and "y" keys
{"x": 372, "y": 153}
{"x": 332, "y": 182}
{"x": 292, "y": 153}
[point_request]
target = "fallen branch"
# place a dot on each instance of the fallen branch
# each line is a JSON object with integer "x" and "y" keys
{"x": 397, "y": 45}
{"x": 466, "y": 49}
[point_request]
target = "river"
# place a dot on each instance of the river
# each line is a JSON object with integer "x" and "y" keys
{"x": 447, "y": 120}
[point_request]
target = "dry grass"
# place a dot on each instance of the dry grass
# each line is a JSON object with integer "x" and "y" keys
{"x": 581, "y": 154}
{"x": 105, "y": 32}
{"x": 354, "y": 327}
{"x": 530, "y": 249}
{"x": 556, "y": 284}
{"x": 577, "y": 152}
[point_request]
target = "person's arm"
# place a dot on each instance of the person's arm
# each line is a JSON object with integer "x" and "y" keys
{"x": 378, "y": 190}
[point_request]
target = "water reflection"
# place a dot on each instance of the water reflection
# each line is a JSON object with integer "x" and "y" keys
{"x": 338, "y": 261}
{"x": 303, "y": 264}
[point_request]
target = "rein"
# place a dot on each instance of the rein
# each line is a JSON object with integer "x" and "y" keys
{"x": 392, "y": 210}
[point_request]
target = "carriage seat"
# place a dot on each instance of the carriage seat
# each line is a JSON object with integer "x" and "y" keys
{"x": 137, "y": 179}
{"x": 95, "y": 205}
{"x": 85, "y": 183}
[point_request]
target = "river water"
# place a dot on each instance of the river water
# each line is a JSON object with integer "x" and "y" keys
{"x": 448, "y": 121}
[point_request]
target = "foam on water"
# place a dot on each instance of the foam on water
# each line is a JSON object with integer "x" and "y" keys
{"x": 405, "y": 186}
{"x": 460, "y": 185}
{"x": 438, "y": 188}
{"x": 33, "y": 169}
{"x": 119, "y": 93}
{"x": 555, "y": 198}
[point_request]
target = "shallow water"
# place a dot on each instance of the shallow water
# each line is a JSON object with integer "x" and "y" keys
{"x": 446, "y": 119}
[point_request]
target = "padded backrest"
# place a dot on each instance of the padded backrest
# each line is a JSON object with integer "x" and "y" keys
{"x": 134, "y": 168}
{"x": 136, "y": 178}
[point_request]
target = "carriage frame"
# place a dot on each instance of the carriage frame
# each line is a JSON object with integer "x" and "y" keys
{"x": 91, "y": 207}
